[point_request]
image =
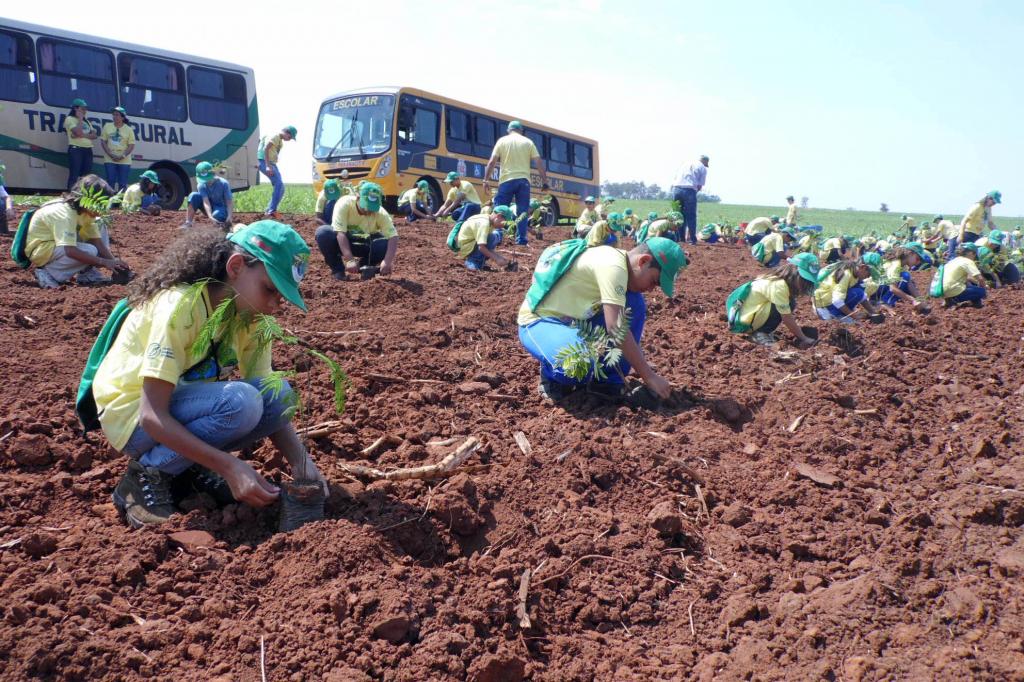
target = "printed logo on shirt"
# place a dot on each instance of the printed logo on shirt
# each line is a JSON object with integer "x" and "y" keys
{"x": 155, "y": 350}
{"x": 620, "y": 290}
{"x": 299, "y": 266}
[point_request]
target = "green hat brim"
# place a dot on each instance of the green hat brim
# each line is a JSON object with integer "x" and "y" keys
{"x": 284, "y": 282}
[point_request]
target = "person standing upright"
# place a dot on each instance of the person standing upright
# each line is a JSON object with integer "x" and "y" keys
{"x": 513, "y": 153}
{"x": 118, "y": 142}
{"x": 80, "y": 136}
{"x": 267, "y": 154}
{"x": 791, "y": 211}
{"x": 688, "y": 181}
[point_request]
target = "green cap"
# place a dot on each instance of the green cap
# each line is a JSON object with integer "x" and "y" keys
{"x": 985, "y": 254}
{"x": 807, "y": 264}
{"x": 79, "y": 102}
{"x": 422, "y": 184}
{"x": 939, "y": 217}
{"x": 504, "y": 211}
{"x": 774, "y": 218}
{"x": 151, "y": 176}
{"x": 874, "y": 262}
{"x": 204, "y": 171}
{"x": 628, "y": 211}
{"x": 670, "y": 259}
{"x": 652, "y": 215}
{"x": 282, "y": 251}
{"x": 291, "y": 131}
{"x": 534, "y": 204}
{"x": 370, "y": 196}
{"x": 589, "y": 199}
{"x": 451, "y": 177}
{"x": 970, "y": 246}
{"x": 994, "y": 195}
{"x": 120, "y": 110}
{"x": 997, "y": 236}
{"x": 789, "y": 232}
{"x": 515, "y": 125}
{"x": 904, "y": 217}
{"x": 332, "y": 190}
{"x": 918, "y": 248}
{"x": 609, "y": 200}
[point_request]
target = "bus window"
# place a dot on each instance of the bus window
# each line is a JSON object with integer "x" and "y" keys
{"x": 217, "y": 98}
{"x": 70, "y": 70}
{"x": 484, "y": 128}
{"x": 417, "y": 125}
{"x": 151, "y": 87}
{"x": 581, "y": 167}
{"x": 17, "y": 68}
{"x": 538, "y": 141}
{"x": 558, "y": 159}
{"x": 457, "y": 129}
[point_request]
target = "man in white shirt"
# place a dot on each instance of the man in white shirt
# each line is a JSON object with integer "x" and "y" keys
{"x": 688, "y": 181}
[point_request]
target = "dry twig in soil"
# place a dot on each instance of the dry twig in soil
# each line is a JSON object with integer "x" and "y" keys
{"x": 524, "y": 591}
{"x": 386, "y": 379}
{"x": 440, "y": 469}
{"x": 679, "y": 464}
{"x": 386, "y": 439}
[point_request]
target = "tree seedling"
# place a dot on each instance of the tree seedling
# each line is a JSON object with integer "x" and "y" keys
{"x": 597, "y": 348}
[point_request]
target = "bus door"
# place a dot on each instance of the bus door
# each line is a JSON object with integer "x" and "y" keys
{"x": 418, "y": 131}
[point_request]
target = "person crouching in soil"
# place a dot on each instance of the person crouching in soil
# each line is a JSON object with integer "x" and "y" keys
{"x": 960, "y": 280}
{"x": 897, "y": 284}
{"x": 142, "y": 196}
{"x": 773, "y": 247}
{"x": 65, "y": 240}
{"x": 841, "y": 290}
{"x": 361, "y": 232}
{"x": 573, "y": 282}
{"x": 771, "y": 300}
{"x": 480, "y": 235}
{"x": 163, "y": 399}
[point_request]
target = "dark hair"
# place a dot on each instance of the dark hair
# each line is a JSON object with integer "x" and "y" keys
{"x": 85, "y": 184}
{"x": 790, "y": 274}
{"x": 71, "y": 111}
{"x": 198, "y": 254}
{"x": 124, "y": 116}
{"x": 844, "y": 267}
{"x": 147, "y": 181}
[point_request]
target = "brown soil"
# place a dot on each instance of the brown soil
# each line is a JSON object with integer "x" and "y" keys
{"x": 894, "y": 550}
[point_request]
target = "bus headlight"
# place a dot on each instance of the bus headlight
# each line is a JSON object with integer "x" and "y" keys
{"x": 316, "y": 175}
{"x": 385, "y": 168}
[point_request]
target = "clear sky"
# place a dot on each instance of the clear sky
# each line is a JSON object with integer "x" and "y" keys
{"x": 917, "y": 104}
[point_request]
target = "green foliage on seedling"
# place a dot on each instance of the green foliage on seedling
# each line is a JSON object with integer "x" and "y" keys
{"x": 596, "y": 349}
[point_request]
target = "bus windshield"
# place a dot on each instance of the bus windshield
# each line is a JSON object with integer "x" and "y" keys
{"x": 359, "y": 124}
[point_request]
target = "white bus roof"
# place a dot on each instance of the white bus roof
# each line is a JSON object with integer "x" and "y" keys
{"x": 118, "y": 45}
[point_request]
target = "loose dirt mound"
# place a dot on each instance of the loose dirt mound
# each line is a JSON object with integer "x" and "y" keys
{"x": 860, "y": 515}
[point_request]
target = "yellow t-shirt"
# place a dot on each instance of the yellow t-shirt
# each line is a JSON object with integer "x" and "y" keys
{"x": 69, "y": 124}
{"x": 598, "y": 233}
{"x": 132, "y": 199}
{"x": 659, "y": 227}
{"x": 772, "y": 244}
{"x": 892, "y": 269}
{"x": 976, "y": 219}
{"x": 118, "y": 140}
{"x": 155, "y": 342}
{"x": 474, "y": 231}
{"x": 791, "y": 214}
{"x": 909, "y": 222}
{"x": 272, "y": 148}
{"x": 948, "y": 228}
{"x": 759, "y": 226}
{"x": 514, "y": 152}
{"x": 57, "y": 224}
{"x": 832, "y": 243}
{"x": 346, "y": 218}
{"x": 809, "y": 243}
{"x": 600, "y": 275}
{"x": 467, "y": 190}
{"x": 955, "y": 274}
{"x": 589, "y": 216}
{"x": 764, "y": 293}
{"x": 411, "y": 195}
{"x": 830, "y": 292}
{"x": 321, "y": 202}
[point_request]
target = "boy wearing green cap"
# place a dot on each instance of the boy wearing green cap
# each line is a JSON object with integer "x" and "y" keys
{"x": 166, "y": 401}
{"x": 771, "y": 300}
{"x": 513, "y": 153}
{"x": 960, "y": 280}
{"x": 212, "y": 196}
{"x": 840, "y": 289}
{"x": 267, "y": 153}
{"x": 588, "y": 216}
{"x": 757, "y": 228}
{"x": 1000, "y": 269}
{"x": 480, "y": 235}
{"x": 976, "y": 221}
{"x": 142, "y": 196}
{"x": 414, "y": 202}
{"x": 462, "y": 201}
{"x": 773, "y": 247}
{"x": 896, "y": 283}
{"x": 328, "y": 198}
{"x": 361, "y": 233}
{"x": 118, "y": 141}
{"x": 572, "y": 282}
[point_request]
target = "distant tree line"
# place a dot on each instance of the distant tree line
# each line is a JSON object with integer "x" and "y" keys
{"x": 637, "y": 189}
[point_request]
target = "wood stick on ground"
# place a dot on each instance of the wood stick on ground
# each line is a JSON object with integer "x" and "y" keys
{"x": 500, "y": 397}
{"x": 321, "y": 430}
{"x": 871, "y": 411}
{"x": 263, "y": 661}
{"x": 703, "y": 502}
{"x": 689, "y": 611}
{"x": 681, "y": 465}
{"x": 443, "y": 468}
{"x": 444, "y": 443}
{"x": 6, "y": 436}
{"x": 523, "y": 442}
{"x": 384, "y": 378}
{"x": 386, "y": 439}
{"x": 796, "y": 423}
{"x": 524, "y": 592}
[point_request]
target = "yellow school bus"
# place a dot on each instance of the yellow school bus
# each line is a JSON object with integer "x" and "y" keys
{"x": 396, "y": 136}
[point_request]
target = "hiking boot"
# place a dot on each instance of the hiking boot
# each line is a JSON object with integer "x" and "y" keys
{"x": 46, "y": 280}
{"x": 144, "y": 495}
{"x": 199, "y": 479}
{"x": 554, "y": 392}
{"x": 91, "y": 276}
{"x": 763, "y": 338}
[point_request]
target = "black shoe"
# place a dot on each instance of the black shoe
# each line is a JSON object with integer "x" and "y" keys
{"x": 610, "y": 392}
{"x": 199, "y": 479}
{"x": 144, "y": 495}
{"x": 554, "y": 392}
{"x": 339, "y": 275}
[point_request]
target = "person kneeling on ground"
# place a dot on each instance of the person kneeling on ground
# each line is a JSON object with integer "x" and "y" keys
{"x": 588, "y": 216}
{"x": 414, "y": 203}
{"x": 760, "y": 306}
{"x": 757, "y": 228}
{"x": 326, "y": 200}
{"x": 480, "y": 236}
{"x": 462, "y": 201}
{"x": 360, "y": 231}
{"x": 959, "y": 280}
{"x": 999, "y": 268}
{"x": 836, "y": 249}
{"x": 162, "y": 399}
{"x": 213, "y": 197}
{"x": 773, "y": 247}
{"x": 897, "y": 284}
{"x": 66, "y": 240}
{"x": 573, "y": 282}
{"x": 142, "y": 195}
{"x": 840, "y": 290}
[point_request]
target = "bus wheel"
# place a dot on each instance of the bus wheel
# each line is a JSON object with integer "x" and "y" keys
{"x": 172, "y": 189}
{"x": 552, "y": 217}
{"x": 435, "y": 195}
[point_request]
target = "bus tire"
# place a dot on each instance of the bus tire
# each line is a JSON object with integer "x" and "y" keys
{"x": 172, "y": 188}
{"x": 553, "y": 216}
{"x": 435, "y": 194}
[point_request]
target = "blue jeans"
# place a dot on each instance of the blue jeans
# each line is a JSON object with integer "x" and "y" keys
{"x": 150, "y": 199}
{"x": 1010, "y": 274}
{"x": 972, "y": 293}
{"x": 752, "y": 239}
{"x": 885, "y": 295}
{"x": 229, "y": 415}
{"x": 544, "y": 339}
{"x": 371, "y": 250}
{"x": 475, "y": 260}
{"x": 406, "y": 210}
{"x": 117, "y": 174}
{"x": 854, "y": 297}
{"x": 774, "y": 260}
{"x": 79, "y": 163}
{"x": 327, "y": 217}
{"x": 465, "y": 212}
{"x": 220, "y": 213}
{"x": 687, "y": 198}
{"x": 276, "y": 181}
{"x": 951, "y": 248}
{"x": 519, "y": 191}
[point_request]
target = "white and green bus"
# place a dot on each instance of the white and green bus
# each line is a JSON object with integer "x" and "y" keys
{"x": 183, "y": 109}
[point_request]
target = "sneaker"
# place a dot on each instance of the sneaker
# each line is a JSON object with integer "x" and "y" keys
{"x": 187, "y": 225}
{"x": 199, "y": 479}
{"x": 91, "y": 276}
{"x": 46, "y": 280}
{"x": 763, "y": 339}
{"x": 144, "y": 495}
{"x": 339, "y": 274}
{"x": 554, "y": 392}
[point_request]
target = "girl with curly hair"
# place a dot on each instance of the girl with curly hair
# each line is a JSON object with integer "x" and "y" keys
{"x": 162, "y": 392}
